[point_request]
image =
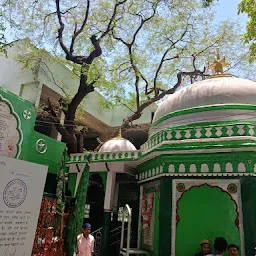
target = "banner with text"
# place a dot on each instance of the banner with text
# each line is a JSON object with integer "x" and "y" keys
{"x": 21, "y": 190}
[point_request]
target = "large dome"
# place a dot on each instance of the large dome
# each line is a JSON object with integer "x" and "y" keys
{"x": 117, "y": 144}
{"x": 219, "y": 91}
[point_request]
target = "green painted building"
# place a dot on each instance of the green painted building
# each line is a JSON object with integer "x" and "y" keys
{"x": 196, "y": 173}
{"x": 18, "y": 139}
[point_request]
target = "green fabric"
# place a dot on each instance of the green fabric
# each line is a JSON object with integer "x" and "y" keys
{"x": 77, "y": 217}
{"x": 72, "y": 183}
{"x": 60, "y": 193}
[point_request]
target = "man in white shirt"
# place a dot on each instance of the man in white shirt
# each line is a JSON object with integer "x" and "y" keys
{"x": 220, "y": 246}
{"x": 85, "y": 242}
{"x": 233, "y": 250}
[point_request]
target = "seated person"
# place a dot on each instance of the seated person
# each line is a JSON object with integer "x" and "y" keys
{"x": 220, "y": 246}
{"x": 205, "y": 248}
{"x": 233, "y": 250}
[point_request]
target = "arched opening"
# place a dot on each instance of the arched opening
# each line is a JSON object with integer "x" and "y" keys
{"x": 205, "y": 212}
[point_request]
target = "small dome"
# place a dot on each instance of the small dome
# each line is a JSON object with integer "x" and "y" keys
{"x": 117, "y": 144}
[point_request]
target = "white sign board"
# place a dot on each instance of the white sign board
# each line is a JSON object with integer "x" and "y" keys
{"x": 21, "y": 190}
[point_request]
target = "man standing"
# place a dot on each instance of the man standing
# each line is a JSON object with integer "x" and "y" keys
{"x": 205, "y": 248}
{"x": 220, "y": 246}
{"x": 85, "y": 242}
{"x": 233, "y": 250}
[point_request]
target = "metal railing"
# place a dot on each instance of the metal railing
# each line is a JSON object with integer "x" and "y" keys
{"x": 127, "y": 209}
{"x": 114, "y": 235}
{"x": 126, "y": 250}
{"x": 98, "y": 238}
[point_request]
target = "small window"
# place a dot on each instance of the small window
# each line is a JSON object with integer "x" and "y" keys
{"x": 87, "y": 211}
{"x": 120, "y": 215}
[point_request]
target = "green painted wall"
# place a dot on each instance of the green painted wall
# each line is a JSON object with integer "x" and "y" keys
{"x": 51, "y": 157}
{"x": 211, "y": 214}
{"x": 207, "y": 163}
{"x": 17, "y": 106}
{"x": 152, "y": 163}
{"x": 165, "y": 216}
{"x": 28, "y": 151}
{"x": 248, "y": 192}
{"x": 205, "y": 213}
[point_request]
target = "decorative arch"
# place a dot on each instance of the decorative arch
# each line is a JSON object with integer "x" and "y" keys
{"x": 13, "y": 113}
{"x": 211, "y": 186}
{"x": 205, "y": 209}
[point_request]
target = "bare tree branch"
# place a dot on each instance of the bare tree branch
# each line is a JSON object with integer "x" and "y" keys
{"x": 119, "y": 66}
{"x": 207, "y": 47}
{"x": 123, "y": 70}
{"x": 60, "y": 30}
{"x": 111, "y": 20}
{"x": 52, "y": 79}
{"x": 163, "y": 59}
{"x": 143, "y": 21}
{"x": 180, "y": 76}
{"x": 79, "y": 31}
{"x": 119, "y": 100}
{"x": 85, "y": 62}
{"x": 120, "y": 39}
{"x": 137, "y": 72}
{"x": 52, "y": 13}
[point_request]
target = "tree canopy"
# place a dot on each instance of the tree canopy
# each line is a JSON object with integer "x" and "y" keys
{"x": 135, "y": 52}
{"x": 249, "y": 7}
{"x": 207, "y": 3}
{"x": 2, "y": 31}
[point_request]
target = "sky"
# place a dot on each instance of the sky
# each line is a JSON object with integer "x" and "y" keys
{"x": 227, "y": 9}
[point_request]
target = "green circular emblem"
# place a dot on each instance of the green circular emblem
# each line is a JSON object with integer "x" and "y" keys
{"x": 41, "y": 146}
{"x": 232, "y": 188}
{"x": 180, "y": 187}
{"x": 27, "y": 114}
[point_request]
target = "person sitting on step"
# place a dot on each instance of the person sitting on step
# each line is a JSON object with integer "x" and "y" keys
{"x": 220, "y": 246}
{"x": 205, "y": 248}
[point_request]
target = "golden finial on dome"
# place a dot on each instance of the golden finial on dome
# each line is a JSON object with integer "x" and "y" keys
{"x": 219, "y": 64}
{"x": 119, "y": 136}
{"x": 119, "y": 133}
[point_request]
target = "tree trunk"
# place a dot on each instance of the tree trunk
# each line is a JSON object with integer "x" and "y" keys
{"x": 75, "y": 139}
{"x": 72, "y": 145}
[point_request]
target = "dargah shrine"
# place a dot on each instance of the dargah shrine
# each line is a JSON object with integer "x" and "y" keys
{"x": 196, "y": 172}
{"x": 193, "y": 179}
